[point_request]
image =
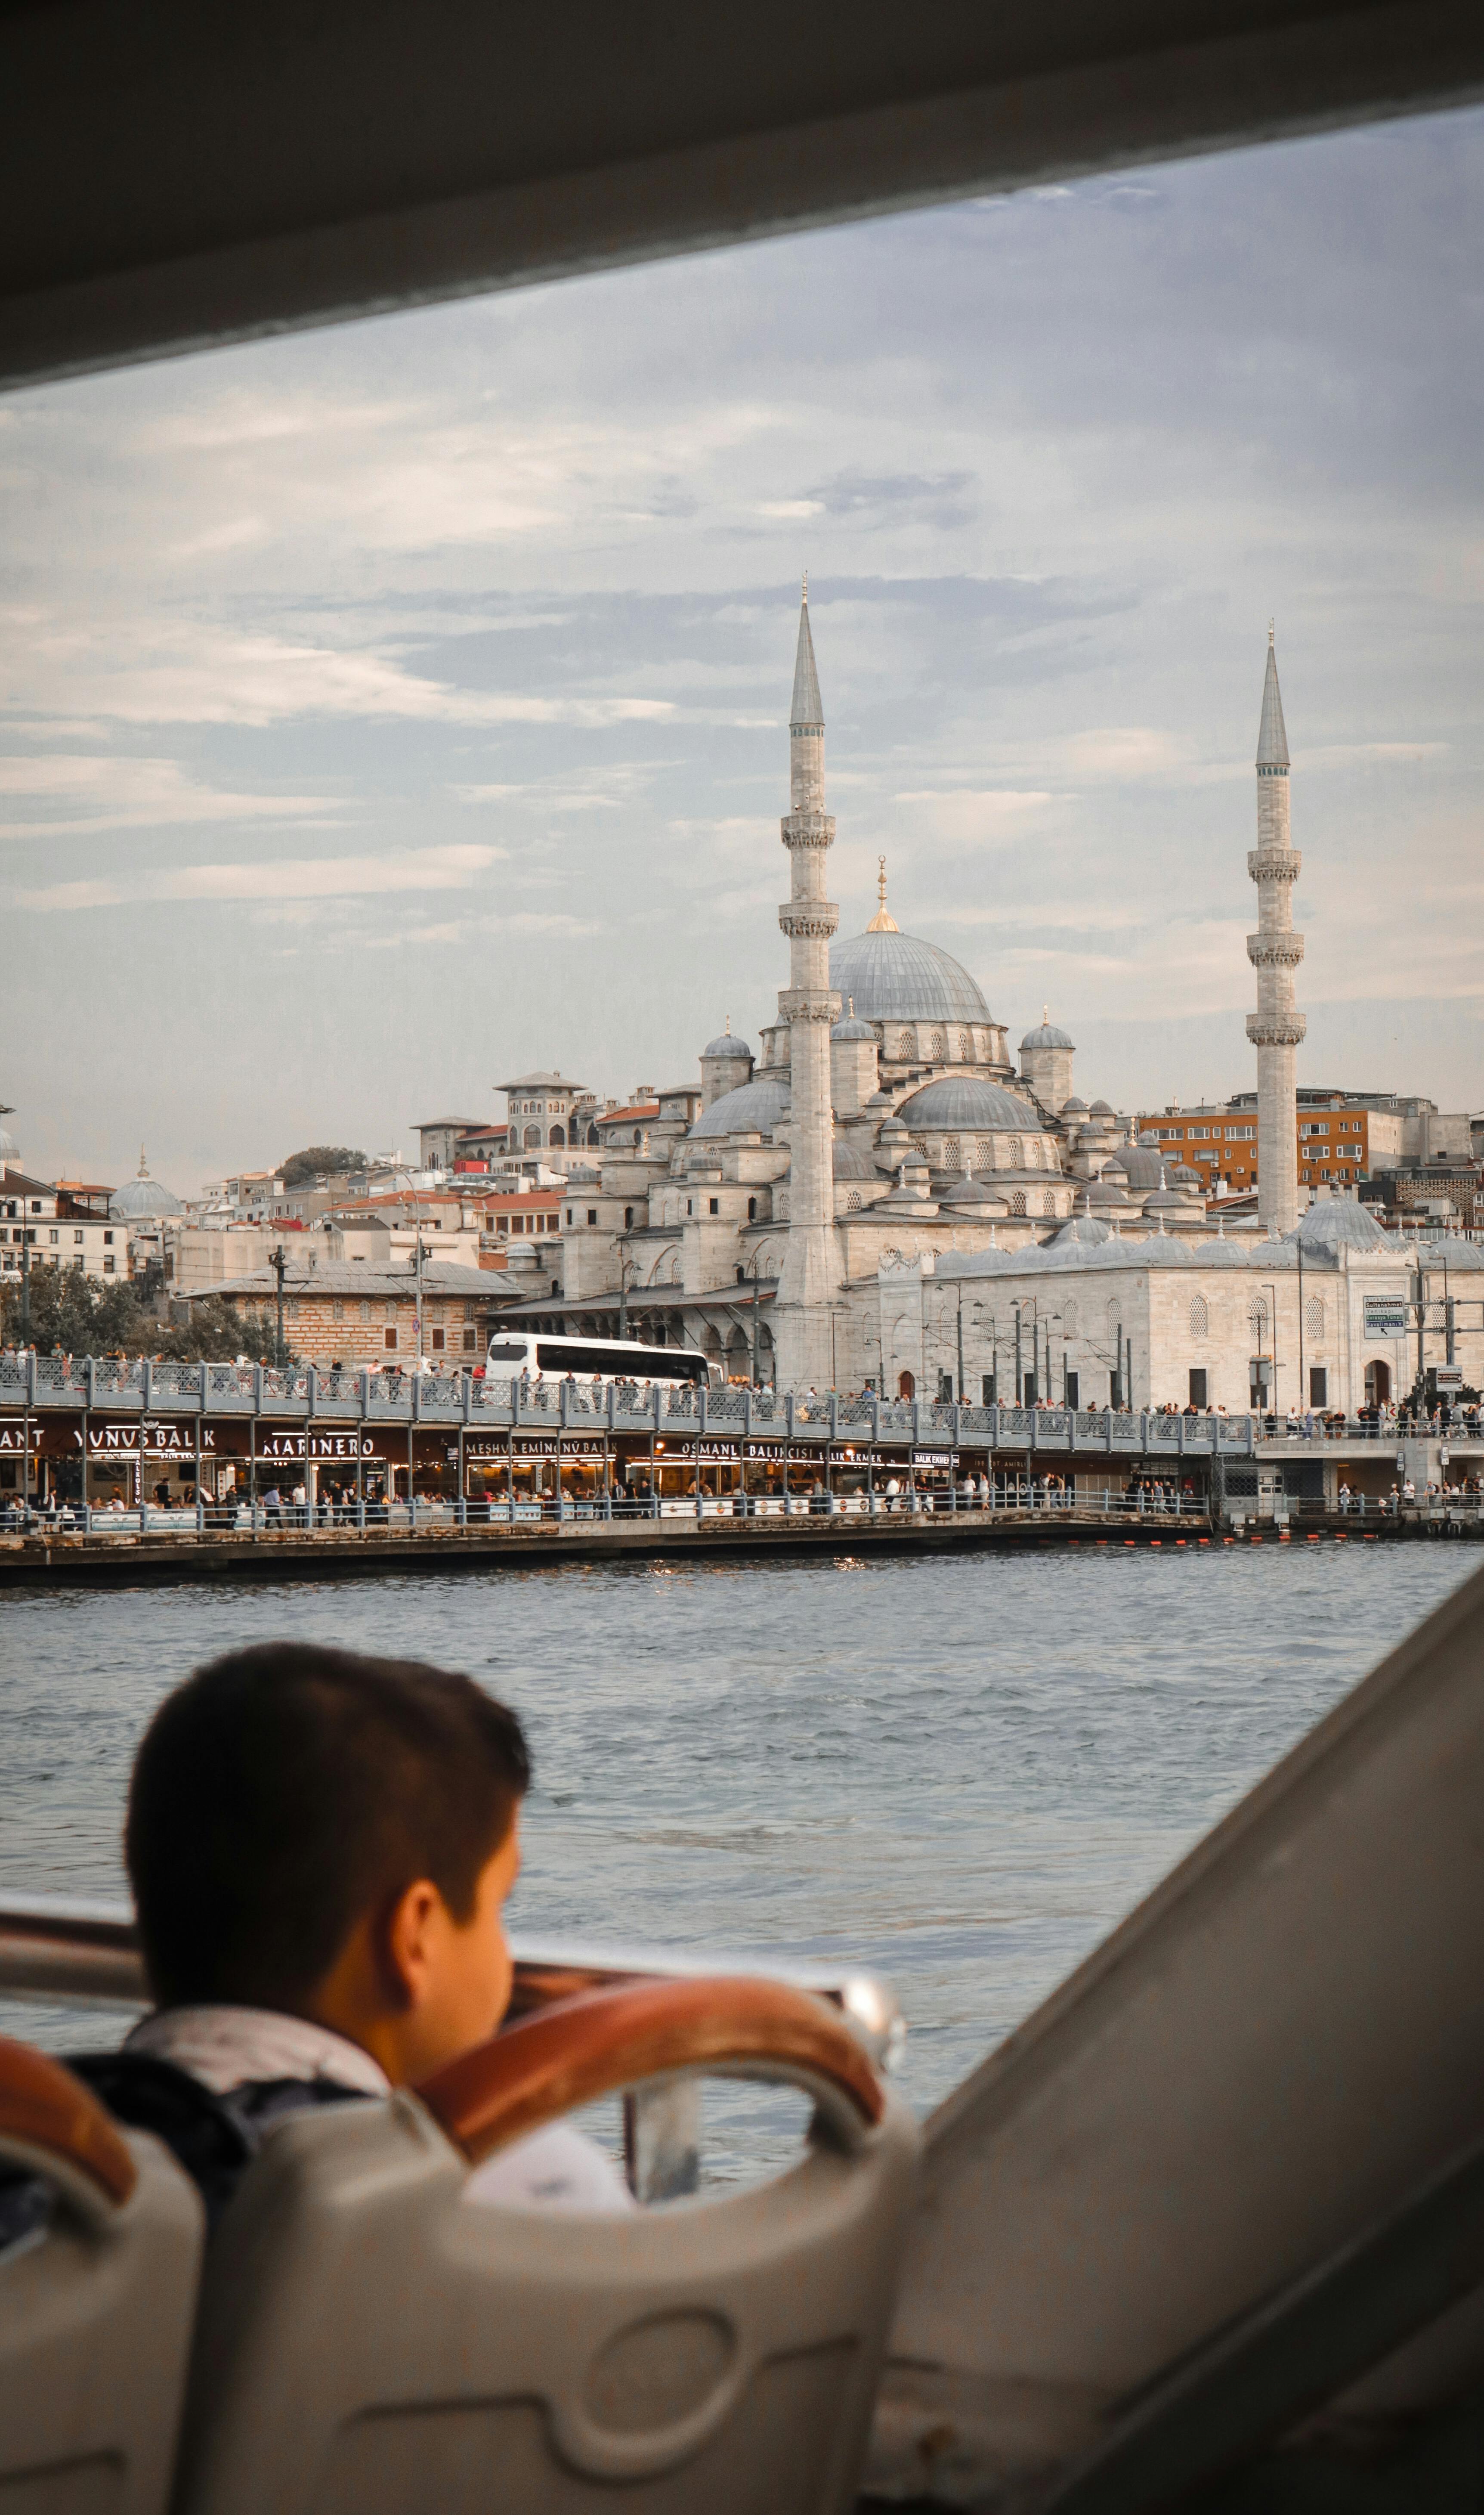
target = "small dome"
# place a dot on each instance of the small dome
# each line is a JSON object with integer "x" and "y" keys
{"x": 1105, "y": 1193}
{"x": 142, "y": 1198}
{"x": 1045, "y": 1034}
{"x": 850, "y": 1028}
{"x": 1084, "y": 1231}
{"x": 727, "y": 1046}
{"x": 1074, "y": 1108}
{"x": 1335, "y": 1222}
{"x": 1102, "y": 1109}
{"x": 974, "y": 1196}
{"x": 1143, "y": 1168}
{"x": 1185, "y": 1177}
{"x": 753, "y": 1109}
{"x": 851, "y": 1163}
{"x": 970, "y": 1100}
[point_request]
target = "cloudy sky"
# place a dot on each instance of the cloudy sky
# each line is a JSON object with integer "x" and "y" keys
{"x": 395, "y": 708}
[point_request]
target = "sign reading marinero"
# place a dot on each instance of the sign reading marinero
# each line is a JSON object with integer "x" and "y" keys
{"x": 317, "y": 1445}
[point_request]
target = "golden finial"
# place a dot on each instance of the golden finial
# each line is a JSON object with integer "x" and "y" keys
{"x": 882, "y": 923}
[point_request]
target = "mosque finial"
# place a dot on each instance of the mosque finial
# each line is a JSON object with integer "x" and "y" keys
{"x": 1271, "y": 624}
{"x": 144, "y": 1167}
{"x": 729, "y": 1025}
{"x": 805, "y": 585}
{"x": 883, "y": 923}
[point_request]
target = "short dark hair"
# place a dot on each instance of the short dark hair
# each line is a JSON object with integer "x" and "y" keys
{"x": 285, "y": 1791}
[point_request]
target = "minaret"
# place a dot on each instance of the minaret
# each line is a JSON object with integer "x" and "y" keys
{"x": 809, "y": 1287}
{"x": 1275, "y": 952}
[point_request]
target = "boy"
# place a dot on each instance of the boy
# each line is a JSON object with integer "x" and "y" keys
{"x": 321, "y": 1846}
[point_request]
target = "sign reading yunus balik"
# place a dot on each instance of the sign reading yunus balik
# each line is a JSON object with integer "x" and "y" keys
{"x": 1384, "y": 1316}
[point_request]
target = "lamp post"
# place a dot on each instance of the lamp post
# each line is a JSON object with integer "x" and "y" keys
{"x": 1273, "y": 1315}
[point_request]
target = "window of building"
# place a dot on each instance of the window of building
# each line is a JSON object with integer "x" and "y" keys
{"x": 438, "y": 1340}
{"x": 77, "y": 1239}
{"x": 713, "y": 1205}
{"x": 471, "y": 1339}
{"x": 952, "y": 1160}
{"x": 109, "y": 1264}
{"x": 388, "y": 1339}
{"x": 1198, "y": 1389}
{"x": 108, "y": 1238}
{"x": 53, "y": 1237}
{"x": 690, "y": 1205}
{"x": 365, "y": 1314}
{"x": 1313, "y": 1320}
{"x": 945, "y": 1388}
{"x": 987, "y": 1397}
{"x": 751, "y": 1209}
{"x": 1074, "y": 1389}
{"x": 1319, "y": 1384}
{"x": 1018, "y": 1201}
{"x": 337, "y": 1309}
{"x": 1200, "y": 1316}
{"x": 569, "y": 1218}
{"x": 966, "y": 1048}
{"x": 904, "y": 1047}
{"x": 628, "y": 1218}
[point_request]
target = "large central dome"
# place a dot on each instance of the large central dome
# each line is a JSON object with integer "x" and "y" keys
{"x": 898, "y": 977}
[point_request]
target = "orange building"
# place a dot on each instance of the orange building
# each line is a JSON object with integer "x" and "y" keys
{"x": 1337, "y": 1141}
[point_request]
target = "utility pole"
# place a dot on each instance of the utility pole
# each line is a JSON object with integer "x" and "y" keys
{"x": 26, "y": 1283}
{"x": 279, "y": 1262}
{"x": 962, "y": 1399}
{"x": 756, "y": 1317}
{"x": 1020, "y": 1375}
{"x": 418, "y": 1271}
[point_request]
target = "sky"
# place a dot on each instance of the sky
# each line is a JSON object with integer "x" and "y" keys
{"x": 392, "y": 709}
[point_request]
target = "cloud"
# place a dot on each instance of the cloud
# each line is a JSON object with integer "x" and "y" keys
{"x": 117, "y": 792}
{"x": 283, "y": 880}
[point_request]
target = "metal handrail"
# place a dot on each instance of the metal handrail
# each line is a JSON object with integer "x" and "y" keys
{"x": 85, "y": 1952}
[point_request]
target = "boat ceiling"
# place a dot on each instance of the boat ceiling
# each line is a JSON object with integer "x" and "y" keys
{"x": 179, "y": 176}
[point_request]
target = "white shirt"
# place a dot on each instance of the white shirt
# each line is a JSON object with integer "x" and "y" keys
{"x": 224, "y": 2047}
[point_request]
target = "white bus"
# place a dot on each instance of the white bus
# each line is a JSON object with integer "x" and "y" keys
{"x": 510, "y": 1352}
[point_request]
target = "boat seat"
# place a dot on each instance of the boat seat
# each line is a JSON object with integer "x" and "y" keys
{"x": 370, "y": 2344}
{"x": 100, "y": 2240}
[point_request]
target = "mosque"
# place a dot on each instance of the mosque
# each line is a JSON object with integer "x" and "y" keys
{"x": 881, "y": 1124}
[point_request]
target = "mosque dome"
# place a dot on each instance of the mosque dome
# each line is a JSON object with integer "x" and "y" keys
{"x": 1143, "y": 1167}
{"x": 1183, "y": 1176}
{"x": 727, "y": 1046}
{"x": 753, "y": 1109}
{"x": 973, "y": 1196}
{"x": 1045, "y": 1034}
{"x": 142, "y": 1198}
{"x": 1074, "y": 1108}
{"x": 851, "y": 1163}
{"x": 1084, "y": 1231}
{"x": 853, "y": 1028}
{"x": 1107, "y": 1194}
{"x": 1337, "y": 1223}
{"x": 1102, "y": 1108}
{"x": 898, "y": 977}
{"x": 970, "y": 1100}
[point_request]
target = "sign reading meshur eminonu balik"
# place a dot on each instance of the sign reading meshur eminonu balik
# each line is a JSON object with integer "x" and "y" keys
{"x": 1384, "y": 1316}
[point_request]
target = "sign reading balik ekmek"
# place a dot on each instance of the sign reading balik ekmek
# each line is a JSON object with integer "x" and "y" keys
{"x": 1385, "y": 1316}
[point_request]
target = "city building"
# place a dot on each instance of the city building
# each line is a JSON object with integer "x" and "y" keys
{"x": 41, "y": 1226}
{"x": 1341, "y": 1138}
{"x": 363, "y": 1316}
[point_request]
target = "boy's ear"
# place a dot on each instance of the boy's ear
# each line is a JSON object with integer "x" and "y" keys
{"x": 404, "y": 1948}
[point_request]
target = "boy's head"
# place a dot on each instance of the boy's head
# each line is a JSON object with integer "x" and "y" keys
{"x": 313, "y": 1831}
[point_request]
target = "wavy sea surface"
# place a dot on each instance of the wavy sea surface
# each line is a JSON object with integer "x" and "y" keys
{"x": 960, "y": 1773}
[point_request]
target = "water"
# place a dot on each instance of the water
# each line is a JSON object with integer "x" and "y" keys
{"x": 960, "y": 1773}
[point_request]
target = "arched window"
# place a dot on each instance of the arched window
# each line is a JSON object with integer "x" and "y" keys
{"x": 906, "y": 1385}
{"x": 952, "y": 1158}
{"x": 558, "y": 1135}
{"x": 904, "y": 1047}
{"x": 1069, "y": 1318}
{"x": 1049, "y": 1202}
{"x": 984, "y": 1154}
{"x": 852, "y": 1200}
{"x": 1013, "y": 1155}
{"x": 1200, "y": 1316}
{"x": 919, "y": 1147}
{"x": 966, "y": 1048}
{"x": 938, "y": 1045}
{"x": 1018, "y": 1201}
{"x": 1256, "y": 1318}
{"x": 1313, "y": 1320}
{"x": 532, "y": 1137}
{"x": 751, "y": 1209}
{"x": 1378, "y": 1384}
{"x": 593, "y": 1137}
{"x": 1032, "y": 1153}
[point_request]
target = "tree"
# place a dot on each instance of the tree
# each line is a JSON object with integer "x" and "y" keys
{"x": 319, "y": 1161}
{"x": 75, "y": 1313}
